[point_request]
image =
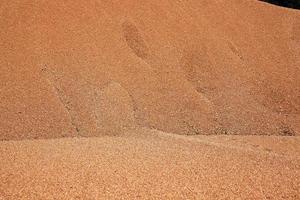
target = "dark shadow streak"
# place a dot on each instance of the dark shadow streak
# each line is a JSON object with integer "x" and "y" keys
{"x": 295, "y": 4}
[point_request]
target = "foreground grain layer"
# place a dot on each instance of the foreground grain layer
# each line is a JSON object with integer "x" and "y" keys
{"x": 147, "y": 164}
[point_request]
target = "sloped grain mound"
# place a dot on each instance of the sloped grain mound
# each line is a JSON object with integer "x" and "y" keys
{"x": 186, "y": 67}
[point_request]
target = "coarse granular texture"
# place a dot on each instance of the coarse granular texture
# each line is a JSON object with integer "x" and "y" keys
{"x": 93, "y": 68}
{"x": 147, "y": 164}
{"x": 152, "y": 99}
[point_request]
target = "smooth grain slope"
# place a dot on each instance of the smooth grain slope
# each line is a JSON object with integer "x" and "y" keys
{"x": 187, "y": 67}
